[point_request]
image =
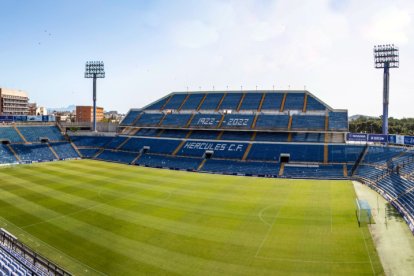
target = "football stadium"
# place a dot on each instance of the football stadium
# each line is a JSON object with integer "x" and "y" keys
{"x": 162, "y": 178}
{"x": 253, "y": 182}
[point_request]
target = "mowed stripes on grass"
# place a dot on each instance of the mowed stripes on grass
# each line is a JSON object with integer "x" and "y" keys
{"x": 95, "y": 217}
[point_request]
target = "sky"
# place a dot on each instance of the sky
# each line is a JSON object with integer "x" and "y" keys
{"x": 151, "y": 48}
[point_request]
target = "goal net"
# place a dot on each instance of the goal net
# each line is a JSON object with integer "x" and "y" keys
{"x": 363, "y": 212}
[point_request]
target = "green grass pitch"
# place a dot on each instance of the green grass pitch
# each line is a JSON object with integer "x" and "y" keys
{"x": 96, "y": 217}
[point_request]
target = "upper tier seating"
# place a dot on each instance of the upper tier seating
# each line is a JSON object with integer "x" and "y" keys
{"x": 177, "y": 163}
{"x": 251, "y": 101}
{"x": 231, "y": 101}
{"x": 6, "y": 156}
{"x": 294, "y": 101}
{"x": 175, "y": 101}
{"x": 176, "y": 120}
{"x": 130, "y": 118}
{"x": 206, "y": 120}
{"x": 220, "y": 149}
{"x": 313, "y": 104}
{"x": 316, "y": 171}
{"x": 64, "y": 150}
{"x": 338, "y": 121}
{"x": 165, "y": 146}
{"x": 297, "y": 152}
{"x": 193, "y": 101}
{"x": 272, "y": 101}
{"x": 211, "y": 101}
{"x": 149, "y": 119}
{"x": 272, "y": 121}
{"x": 9, "y": 133}
{"x": 34, "y": 152}
{"x": 158, "y": 104}
{"x": 12, "y": 264}
{"x": 91, "y": 141}
{"x": 241, "y": 167}
{"x": 308, "y": 122}
{"x": 34, "y": 133}
{"x": 237, "y": 121}
{"x": 344, "y": 153}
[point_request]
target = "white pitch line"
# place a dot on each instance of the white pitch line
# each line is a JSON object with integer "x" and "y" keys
{"x": 366, "y": 247}
{"x": 268, "y": 232}
{"x": 308, "y": 261}
{"x": 261, "y": 215}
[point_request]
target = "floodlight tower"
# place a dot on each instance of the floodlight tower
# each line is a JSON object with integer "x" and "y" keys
{"x": 386, "y": 56}
{"x": 94, "y": 70}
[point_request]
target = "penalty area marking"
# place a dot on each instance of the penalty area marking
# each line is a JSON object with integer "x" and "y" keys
{"x": 308, "y": 261}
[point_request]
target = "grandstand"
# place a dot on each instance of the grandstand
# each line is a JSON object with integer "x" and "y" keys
{"x": 273, "y": 134}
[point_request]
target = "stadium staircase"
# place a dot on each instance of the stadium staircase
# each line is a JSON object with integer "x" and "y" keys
{"x": 53, "y": 151}
{"x": 14, "y": 152}
{"x": 20, "y": 134}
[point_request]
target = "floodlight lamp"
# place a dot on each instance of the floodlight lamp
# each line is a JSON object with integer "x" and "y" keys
{"x": 94, "y": 69}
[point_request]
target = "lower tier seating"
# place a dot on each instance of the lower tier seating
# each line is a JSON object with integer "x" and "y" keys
{"x": 175, "y": 163}
{"x": 242, "y": 167}
{"x": 314, "y": 171}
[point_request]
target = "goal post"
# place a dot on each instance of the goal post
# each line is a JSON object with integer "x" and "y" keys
{"x": 363, "y": 212}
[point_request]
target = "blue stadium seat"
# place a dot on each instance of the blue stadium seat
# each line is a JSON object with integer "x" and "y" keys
{"x": 116, "y": 142}
{"x": 177, "y": 163}
{"x": 314, "y": 171}
{"x": 308, "y": 137}
{"x": 241, "y": 167}
{"x": 64, "y": 150}
{"x": 272, "y": 101}
{"x": 294, "y": 101}
{"x": 193, "y": 101}
{"x": 130, "y": 117}
{"x": 176, "y": 120}
{"x": 231, "y": 101}
{"x": 298, "y": 152}
{"x": 380, "y": 154}
{"x": 158, "y": 104}
{"x": 34, "y": 133}
{"x": 176, "y": 101}
{"x": 9, "y": 133}
{"x": 149, "y": 119}
{"x": 88, "y": 153}
{"x": 338, "y": 120}
{"x": 204, "y": 134}
{"x": 251, "y": 101}
{"x": 117, "y": 156}
{"x": 6, "y": 156}
{"x": 272, "y": 136}
{"x": 237, "y": 135}
{"x": 308, "y": 122}
{"x": 33, "y": 152}
{"x": 147, "y": 132}
{"x": 165, "y": 146}
{"x": 91, "y": 141}
{"x": 344, "y": 153}
{"x": 174, "y": 133}
{"x": 211, "y": 101}
{"x": 314, "y": 104}
{"x": 272, "y": 122}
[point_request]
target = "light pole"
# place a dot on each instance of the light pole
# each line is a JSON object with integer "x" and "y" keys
{"x": 386, "y": 56}
{"x": 94, "y": 70}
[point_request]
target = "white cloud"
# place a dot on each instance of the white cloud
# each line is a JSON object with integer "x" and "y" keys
{"x": 193, "y": 34}
{"x": 390, "y": 24}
